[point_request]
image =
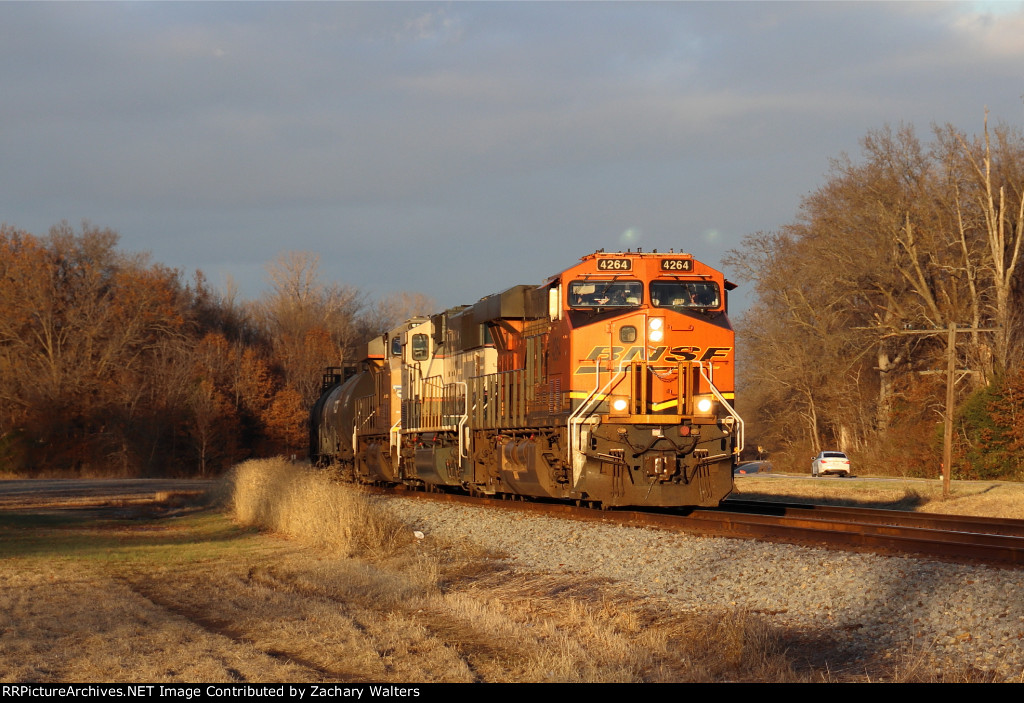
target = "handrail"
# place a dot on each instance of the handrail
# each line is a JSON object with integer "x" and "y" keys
{"x": 574, "y": 418}
{"x": 464, "y": 419}
{"x": 725, "y": 403}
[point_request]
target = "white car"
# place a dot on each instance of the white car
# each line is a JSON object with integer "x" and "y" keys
{"x": 830, "y": 463}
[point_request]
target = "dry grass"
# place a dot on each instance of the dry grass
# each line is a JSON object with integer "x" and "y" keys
{"x": 299, "y": 502}
{"x": 349, "y": 596}
{"x": 916, "y": 665}
{"x": 505, "y": 626}
{"x": 539, "y": 627}
{"x": 979, "y": 498}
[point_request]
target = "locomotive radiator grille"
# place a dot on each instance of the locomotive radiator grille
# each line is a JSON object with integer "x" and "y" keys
{"x": 434, "y": 406}
{"x": 500, "y": 400}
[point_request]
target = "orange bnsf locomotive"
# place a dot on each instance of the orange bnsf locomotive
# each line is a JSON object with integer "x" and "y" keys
{"x": 609, "y": 384}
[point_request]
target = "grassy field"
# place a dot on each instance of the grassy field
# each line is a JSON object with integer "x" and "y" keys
{"x": 299, "y": 579}
{"x": 980, "y": 498}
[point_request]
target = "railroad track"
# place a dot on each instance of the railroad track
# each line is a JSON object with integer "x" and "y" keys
{"x": 880, "y": 516}
{"x": 954, "y": 537}
{"x": 948, "y": 537}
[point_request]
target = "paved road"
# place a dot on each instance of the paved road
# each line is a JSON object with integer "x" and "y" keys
{"x": 29, "y": 493}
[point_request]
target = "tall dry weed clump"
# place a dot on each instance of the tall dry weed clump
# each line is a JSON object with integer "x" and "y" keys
{"x": 311, "y": 506}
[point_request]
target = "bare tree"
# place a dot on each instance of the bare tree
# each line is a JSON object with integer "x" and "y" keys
{"x": 310, "y": 324}
{"x": 82, "y": 330}
{"x": 992, "y": 191}
{"x": 909, "y": 237}
{"x": 396, "y": 308}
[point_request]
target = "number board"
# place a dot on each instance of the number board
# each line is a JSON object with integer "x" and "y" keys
{"x": 614, "y": 264}
{"x": 677, "y": 264}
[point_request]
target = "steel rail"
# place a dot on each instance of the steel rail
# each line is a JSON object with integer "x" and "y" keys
{"x": 880, "y": 516}
{"x": 837, "y": 531}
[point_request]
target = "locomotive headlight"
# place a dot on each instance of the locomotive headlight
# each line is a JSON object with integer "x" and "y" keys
{"x": 656, "y": 329}
{"x": 619, "y": 405}
{"x": 703, "y": 405}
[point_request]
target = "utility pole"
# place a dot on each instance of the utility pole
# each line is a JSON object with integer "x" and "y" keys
{"x": 947, "y": 430}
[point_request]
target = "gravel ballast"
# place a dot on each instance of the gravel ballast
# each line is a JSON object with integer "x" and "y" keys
{"x": 867, "y": 605}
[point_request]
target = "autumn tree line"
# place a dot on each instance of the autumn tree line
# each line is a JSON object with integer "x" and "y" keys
{"x": 845, "y": 347}
{"x": 111, "y": 364}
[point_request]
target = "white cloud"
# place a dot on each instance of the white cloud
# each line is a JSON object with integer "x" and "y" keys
{"x": 996, "y": 29}
{"x": 437, "y": 24}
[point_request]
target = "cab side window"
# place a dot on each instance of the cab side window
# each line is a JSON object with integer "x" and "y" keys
{"x": 420, "y": 347}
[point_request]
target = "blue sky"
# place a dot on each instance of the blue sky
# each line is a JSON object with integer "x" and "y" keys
{"x": 457, "y": 149}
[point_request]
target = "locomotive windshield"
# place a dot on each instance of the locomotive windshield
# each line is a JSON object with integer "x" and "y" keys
{"x": 682, "y": 295}
{"x": 605, "y": 294}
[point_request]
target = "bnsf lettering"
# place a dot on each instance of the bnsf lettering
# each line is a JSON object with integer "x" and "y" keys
{"x": 715, "y": 353}
{"x": 598, "y": 352}
{"x": 674, "y": 355}
{"x": 683, "y": 354}
{"x": 615, "y": 353}
{"x": 694, "y": 353}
